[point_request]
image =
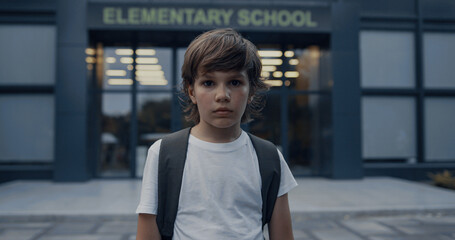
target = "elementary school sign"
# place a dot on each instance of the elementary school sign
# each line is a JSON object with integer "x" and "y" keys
{"x": 148, "y": 16}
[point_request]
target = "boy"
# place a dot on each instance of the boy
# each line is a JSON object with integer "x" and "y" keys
{"x": 220, "y": 195}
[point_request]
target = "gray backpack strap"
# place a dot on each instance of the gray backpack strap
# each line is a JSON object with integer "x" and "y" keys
{"x": 170, "y": 172}
{"x": 270, "y": 169}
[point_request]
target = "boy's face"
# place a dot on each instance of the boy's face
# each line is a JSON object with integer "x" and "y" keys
{"x": 221, "y": 98}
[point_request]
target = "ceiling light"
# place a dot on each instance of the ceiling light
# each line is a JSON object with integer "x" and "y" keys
{"x": 116, "y": 73}
{"x": 274, "y": 83}
{"x": 270, "y": 53}
{"x": 143, "y": 60}
{"x": 291, "y": 74}
{"x": 146, "y": 52}
{"x": 271, "y": 61}
{"x": 124, "y": 52}
{"x": 118, "y": 81}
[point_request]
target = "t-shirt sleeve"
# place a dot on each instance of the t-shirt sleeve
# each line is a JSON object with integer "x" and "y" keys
{"x": 149, "y": 191}
{"x": 287, "y": 182}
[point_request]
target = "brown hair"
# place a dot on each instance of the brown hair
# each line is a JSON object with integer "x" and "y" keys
{"x": 223, "y": 50}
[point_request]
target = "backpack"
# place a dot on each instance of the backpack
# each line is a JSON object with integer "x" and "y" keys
{"x": 172, "y": 159}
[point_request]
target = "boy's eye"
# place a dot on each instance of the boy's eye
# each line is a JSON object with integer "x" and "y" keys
{"x": 207, "y": 83}
{"x": 235, "y": 82}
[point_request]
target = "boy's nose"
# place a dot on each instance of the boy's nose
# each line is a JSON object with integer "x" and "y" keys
{"x": 222, "y": 94}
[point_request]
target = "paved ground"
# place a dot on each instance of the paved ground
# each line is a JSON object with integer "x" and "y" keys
{"x": 435, "y": 226}
{"x": 322, "y": 209}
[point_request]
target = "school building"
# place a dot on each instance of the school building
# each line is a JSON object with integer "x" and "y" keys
{"x": 358, "y": 87}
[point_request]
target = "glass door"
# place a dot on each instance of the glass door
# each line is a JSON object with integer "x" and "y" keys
{"x": 297, "y": 114}
{"x": 135, "y": 97}
{"x": 115, "y": 69}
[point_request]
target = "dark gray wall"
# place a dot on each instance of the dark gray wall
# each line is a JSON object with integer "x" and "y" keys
{"x": 346, "y": 161}
{"x": 71, "y": 154}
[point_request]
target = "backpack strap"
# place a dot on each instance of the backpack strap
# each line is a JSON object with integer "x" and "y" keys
{"x": 270, "y": 169}
{"x": 172, "y": 158}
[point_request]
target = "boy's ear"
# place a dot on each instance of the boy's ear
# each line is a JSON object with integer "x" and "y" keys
{"x": 191, "y": 94}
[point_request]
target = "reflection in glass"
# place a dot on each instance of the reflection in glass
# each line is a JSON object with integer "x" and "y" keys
{"x": 268, "y": 126}
{"x": 27, "y": 54}
{"x": 388, "y": 128}
{"x": 387, "y": 59}
{"x": 308, "y": 69}
{"x": 27, "y": 121}
{"x": 301, "y": 69}
{"x": 117, "y": 65}
{"x": 439, "y": 130}
{"x": 154, "y": 122}
{"x": 154, "y": 68}
{"x": 271, "y": 58}
{"x": 115, "y": 137}
{"x": 180, "y": 59}
{"x": 309, "y": 134}
{"x": 439, "y": 58}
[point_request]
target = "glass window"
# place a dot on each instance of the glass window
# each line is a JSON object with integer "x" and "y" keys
{"x": 388, "y": 128}
{"x": 154, "y": 122}
{"x": 439, "y": 130}
{"x": 272, "y": 65}
{"x": 118, "y": 67}
{"x": 115, "y": 136}
{"x": 27, "y": 128}
{"x": 309, "y": 133}
{"x": 387, "y": 59}
{"x": 300, "y": 69}
{"x": 304, "y": 69}
{"x": 268, "y": 126}
{"x": 27, "y": 54}
{"x": 439, "y": 58}
{"x": 154, "y": 68}
{"x": 180, "y": 59}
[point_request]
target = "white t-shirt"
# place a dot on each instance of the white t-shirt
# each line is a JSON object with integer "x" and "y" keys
{"x": 220, "y": 197}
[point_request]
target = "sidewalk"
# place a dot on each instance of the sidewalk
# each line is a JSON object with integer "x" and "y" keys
{"x": 322, "y": 209}
{"x": 313, "y": 195}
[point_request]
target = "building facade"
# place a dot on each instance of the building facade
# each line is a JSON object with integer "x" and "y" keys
{"x": 358, "y": 88}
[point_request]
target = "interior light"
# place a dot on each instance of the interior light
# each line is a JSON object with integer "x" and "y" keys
{"x": 148, "y": 67}
{"x": 146, "y": 52}
{"x": 90, "y": 60}
{"x": 271, "y": 61}
{"x": 291, "y": 74}
{"x": 150, "y": 73}
{"x": 149, "y": 78}
{"x": 130, "y": 67}
{"x": 111, "y": 60}
{"x": 116, "y": 73}
{"x": 293, "y": 61}
{"x": 277, "y": 74}
{"x": 289, "y": 54}
{"x": 119, "y": 81}
{"x": 128, "y": 52}
{"x": 269, "y": 68}
{"x": 143, "y": 60}
{"x": 315, "y": 54}
{"x": 90, "y": 51}
{"x": 126, "y": 60}
{"x": 274, "y": 83}
{"x": 287, "y": 83}
{"x": 265, "y": 74}
{"x": 157, "y": 82}
{"x": 270, "y": 53}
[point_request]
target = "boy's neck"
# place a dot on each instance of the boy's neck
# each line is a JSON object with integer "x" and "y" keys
{"x": 212, "y": 134}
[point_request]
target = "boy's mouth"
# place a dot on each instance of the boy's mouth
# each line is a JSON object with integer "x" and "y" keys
{"x": 222, "y": 110}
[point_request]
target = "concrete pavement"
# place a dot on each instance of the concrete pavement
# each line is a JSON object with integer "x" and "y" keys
{"x": 322, "y": 209}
